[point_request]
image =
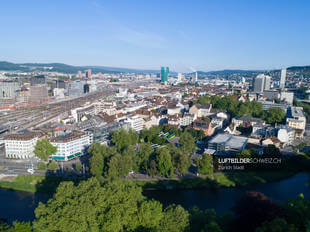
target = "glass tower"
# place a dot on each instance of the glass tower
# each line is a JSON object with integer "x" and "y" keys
{"x": 164, "y": 74}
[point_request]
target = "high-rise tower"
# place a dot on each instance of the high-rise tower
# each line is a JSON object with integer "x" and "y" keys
{"x": 283, "y": 78}
{"x": 164, "y": 74}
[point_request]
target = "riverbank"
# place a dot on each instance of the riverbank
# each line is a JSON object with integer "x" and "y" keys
{"x": 218, "y": 180}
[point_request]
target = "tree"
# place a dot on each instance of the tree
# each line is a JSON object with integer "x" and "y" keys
{"x": 164, "y": 162}
{"x": 41, "y": 166}
{"x": 175, "y": 219}
{"x": 205, "y": 165}
{"x": 274, "y": 115}
{"x": 144, "y": 154}
{"x": 96, "y": 163}
{"x": 100, "y": 156}
{"x": 212, "y": 226}
{"x": 245, "y": 153}
{"x": 53, "y": 166}
{"x": 119, "y": 166}
{"x": 276, "y": 225}
{"x": 299, "y": 147}
{"x": 43, "y": 149}
{"x": 180, "y": 160}
{"x": 298, "y": 211}
{"x": 255, "y": 208}
{"x": 271, "y": 151}
{"x": 187, "y": 143}
{"x": 122, "y": 139}
{"x": 78, "y": 167}
{"x": 21, "y": 227}
{"x": 153, "y": 168}
{"x": 115, "y": 206}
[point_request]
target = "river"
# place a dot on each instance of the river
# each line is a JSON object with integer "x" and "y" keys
{"x": 15, "y": 205}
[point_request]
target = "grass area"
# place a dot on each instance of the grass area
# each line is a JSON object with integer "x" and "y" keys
{"x": 34, "y": 184}
{"x": 23, "y": 183}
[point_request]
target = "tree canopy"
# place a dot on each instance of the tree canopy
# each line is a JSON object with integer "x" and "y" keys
{"x": 116, "y": 206}
{"x": 43, "y": 149}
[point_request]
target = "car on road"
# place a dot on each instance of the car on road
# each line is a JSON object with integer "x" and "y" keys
{"x": 31, "y": 171}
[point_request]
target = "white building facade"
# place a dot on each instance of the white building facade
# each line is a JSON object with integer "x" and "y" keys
{"x": 70, "y": 145}
{"x": 20, "y": 146}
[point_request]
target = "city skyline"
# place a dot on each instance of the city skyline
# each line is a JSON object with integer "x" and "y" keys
{"x": 204, "y": 36}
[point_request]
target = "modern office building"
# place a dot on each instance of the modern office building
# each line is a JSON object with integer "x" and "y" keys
{"x": 38, "y": 93}
{"x": 9, "y": 89}
{"x": 88, "y": 73}
{"x": 164, "y": 72}
{"x": 79, "y": 112}
{"x": 70, "y": 145}
{"x": 76, "y": 88}
{"x": 60, "y": 84}
{"x": 283, "y": 78}
{"x": 227, "y": 143}
{"x": 37, "y": 80}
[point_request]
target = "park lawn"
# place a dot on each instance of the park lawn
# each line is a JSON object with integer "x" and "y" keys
{"x": 22, "y": 183}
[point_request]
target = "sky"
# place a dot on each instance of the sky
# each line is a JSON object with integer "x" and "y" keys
{"x": 186, "y": 35}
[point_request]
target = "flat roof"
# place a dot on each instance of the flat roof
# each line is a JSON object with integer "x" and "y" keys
{"x": 220, "y": 138}
{"x": 229, "y": 140}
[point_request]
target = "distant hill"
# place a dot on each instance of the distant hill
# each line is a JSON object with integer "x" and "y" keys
{"x": 299, "y": 68}
{"x": 230, "y": 72}
{"x": 65, "y": 68}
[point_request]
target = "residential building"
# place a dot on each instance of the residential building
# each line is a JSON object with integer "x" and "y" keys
{"x": 70, "y": 145}
{"x": 204, "y": 125}
{"x": 20, "y": 146}
{"x": 201, "y": 110}
{"x": 187, "y": 119}
{"x": 246, "y": 121}
{"x": 261, "y": 83}
{"x": 135, "y": 123}
{"x": 173, "y": 110}
{"x": 259, "y": 129}
{"x": 286, "y": 135}
{"x": 287, "y": 97}
{"x": 296, "y": 119}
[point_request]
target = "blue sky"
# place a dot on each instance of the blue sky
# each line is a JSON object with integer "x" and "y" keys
{"x": 146, "y": 34}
